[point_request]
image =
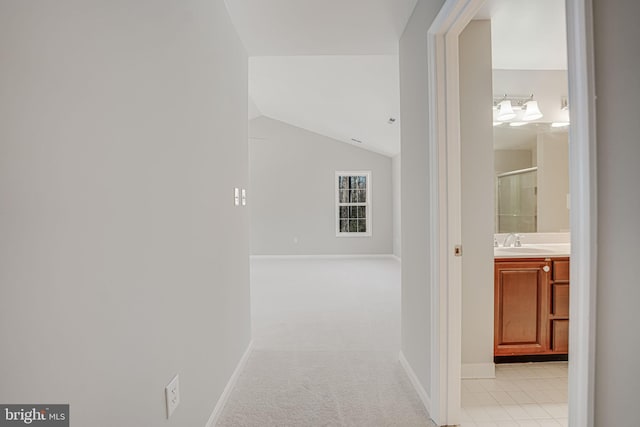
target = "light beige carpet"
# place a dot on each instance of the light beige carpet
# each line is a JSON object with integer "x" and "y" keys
{"x": 326, "y": 343}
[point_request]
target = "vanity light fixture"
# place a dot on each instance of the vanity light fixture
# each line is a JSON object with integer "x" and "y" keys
{"x": 517, "y": 124}
{"x": 531, "y": 111}
{"x": 509, "y": 107}
{"x": 505, "y": 111}
{"x": 560, "y": 124}
{"x": 496, "y": 124}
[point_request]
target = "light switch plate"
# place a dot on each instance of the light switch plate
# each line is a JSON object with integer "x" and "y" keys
{"x": 244, "y": 197}
{"x": 236, "y": 196}
{"x": 172, "y": 395}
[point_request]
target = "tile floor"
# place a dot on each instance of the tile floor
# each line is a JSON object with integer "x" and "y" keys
{"x": 521, "y": 395}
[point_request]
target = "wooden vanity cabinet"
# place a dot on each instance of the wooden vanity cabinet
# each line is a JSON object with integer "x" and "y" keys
{"x": 531, "y": 306}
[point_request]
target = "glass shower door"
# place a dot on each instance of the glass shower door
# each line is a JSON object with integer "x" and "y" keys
{"x": 517, "y": 203}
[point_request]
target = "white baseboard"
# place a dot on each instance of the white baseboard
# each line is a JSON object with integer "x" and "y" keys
{"x": 478, "y": 371}
{"x": 217, "y": 411}
{"x": 424, "y": 397}
{"x": 346, "y": 256}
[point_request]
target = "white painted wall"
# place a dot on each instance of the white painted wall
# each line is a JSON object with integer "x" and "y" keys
{"x": 553, "y": 181}
{"x": 396, "y": 178}
{"x": 415, "y": 213}
{"x": 618, "y": 344}
{"x": 292, "y": 197}
{"x": 122, "y": 259}
{"x": 511, "y": 160}
{"x": 253, "y": 110}
{"x": 478, "y": 175}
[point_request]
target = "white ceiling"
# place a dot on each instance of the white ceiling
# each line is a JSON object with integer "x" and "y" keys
{"x": 527, "y": 34}
{"x": 331, "y": 66}
{"x": 320, "y": 27}
{"x": 342, "y": 97}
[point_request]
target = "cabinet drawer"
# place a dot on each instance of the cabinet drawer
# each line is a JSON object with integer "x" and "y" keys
{"x": 560, "y": 299}
{"x": 561, "y": 270}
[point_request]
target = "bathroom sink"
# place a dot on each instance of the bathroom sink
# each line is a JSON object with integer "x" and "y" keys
{"x": 533, "y": 251}
{"x": 525, "y": 249}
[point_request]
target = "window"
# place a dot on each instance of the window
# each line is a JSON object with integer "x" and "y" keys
{"x": 353, "y": 203}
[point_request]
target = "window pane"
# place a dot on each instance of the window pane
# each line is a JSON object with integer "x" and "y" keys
{"x": 353, "y": 225}
{"x": 362, "y": 212}
{"x": 344, "y": 196}
{"x": 344, "y": 226}
{"x": 361, "y": 196}
{"x": 362, "y": 182}
{"x": 344, "y": 212}
{"x": 353, "y": 212}
{"x": 362, "y": 225}
{"x": 353, "y": 181}
{"x": 343, "y": 182}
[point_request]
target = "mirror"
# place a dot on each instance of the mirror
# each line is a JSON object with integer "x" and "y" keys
{"x": 531, "y": 178}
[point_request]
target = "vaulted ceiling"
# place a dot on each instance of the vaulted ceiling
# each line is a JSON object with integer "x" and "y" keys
{"x": 320, "y": 27}
{"x": 331, "y": 66}
{"x": 342, "y": 97}
{"x": 327, "y": 66}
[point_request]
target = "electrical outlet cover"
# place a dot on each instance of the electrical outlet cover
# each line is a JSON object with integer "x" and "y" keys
{"x": 172, "y": 395}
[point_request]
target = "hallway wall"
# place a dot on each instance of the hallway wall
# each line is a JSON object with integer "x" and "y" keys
{"x": 123, "y": 261}
{"x": 292, "y": 198}
{"x": 617, "y": 64}
{"x": 416, "y": 319}
{"x": 396, "y": 178}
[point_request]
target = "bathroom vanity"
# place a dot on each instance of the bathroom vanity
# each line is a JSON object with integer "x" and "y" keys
{"x": 531, "y": 316}
{"x": 531, "y": 273}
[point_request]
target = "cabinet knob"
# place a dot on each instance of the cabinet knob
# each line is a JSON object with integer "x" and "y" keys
{"x": 546, "y": 269}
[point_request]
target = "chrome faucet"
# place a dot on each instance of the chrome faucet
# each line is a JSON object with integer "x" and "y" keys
{"x": 516, "y": 241}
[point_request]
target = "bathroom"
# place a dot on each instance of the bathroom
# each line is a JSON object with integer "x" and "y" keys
{"x": 515, "y": 198}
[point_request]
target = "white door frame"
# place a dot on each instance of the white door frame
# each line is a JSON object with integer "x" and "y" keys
{"x": 445, "y": 200}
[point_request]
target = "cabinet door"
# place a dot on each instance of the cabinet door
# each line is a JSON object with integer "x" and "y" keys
{"x": 520, "y": 309}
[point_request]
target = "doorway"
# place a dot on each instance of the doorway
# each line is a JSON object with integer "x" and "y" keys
{"x": 515, "y": 295}
{"x": 445, "y": 172}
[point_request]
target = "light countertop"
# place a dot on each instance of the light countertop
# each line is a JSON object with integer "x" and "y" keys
{"x": 543, "y": 250}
